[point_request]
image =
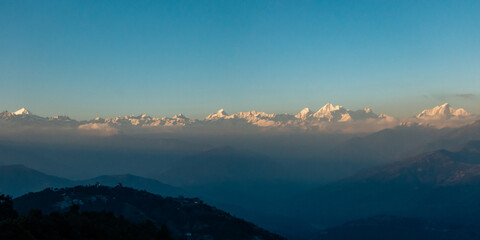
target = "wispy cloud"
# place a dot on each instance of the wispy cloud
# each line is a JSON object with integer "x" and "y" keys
{"x": 445, "y": 96}
{"x": 466, "y": 95}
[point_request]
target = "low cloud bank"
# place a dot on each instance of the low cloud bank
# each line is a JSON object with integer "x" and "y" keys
{"x": 98, "y": 129}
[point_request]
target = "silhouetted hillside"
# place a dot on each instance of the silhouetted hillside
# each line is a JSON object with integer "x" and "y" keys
{"x": 182, "y": 216}
{"x": 73, "y": 224}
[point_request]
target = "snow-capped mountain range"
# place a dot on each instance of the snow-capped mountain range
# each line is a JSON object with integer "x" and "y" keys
{"x": 305, "y": 119}
{"x": 443, "y": 112}
{"x": 327, "y": 114}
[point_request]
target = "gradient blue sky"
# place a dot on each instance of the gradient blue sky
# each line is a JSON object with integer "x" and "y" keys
{"x": 109, "y": 58}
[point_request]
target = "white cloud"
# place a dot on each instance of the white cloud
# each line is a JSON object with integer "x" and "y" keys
{"x": 98, "y": 129}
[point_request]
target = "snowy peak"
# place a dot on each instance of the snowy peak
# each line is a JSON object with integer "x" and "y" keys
{"x": 22, "y": 111}
{"x": 257, "y": 118}
{"x": 220, "y": 114}
{"x": 144, "y": 120}
{"x": 443, "y": 112}
{"x": 60, "y": 118}
{"x": 329, "y": 118}
{"x": 329, "y": 108}
{"x": 179, "y": 116}
{"x": 331, "y": 113}
{"x": 253, "y": 115}
{"x": 304, "y": 114}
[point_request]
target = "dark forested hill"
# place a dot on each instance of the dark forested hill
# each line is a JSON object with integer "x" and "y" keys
{"x": 73, "y": 225}
{"x": 183, "y": 216}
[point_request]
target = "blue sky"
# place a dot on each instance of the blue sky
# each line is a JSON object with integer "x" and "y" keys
{"x": 105, "y": 58}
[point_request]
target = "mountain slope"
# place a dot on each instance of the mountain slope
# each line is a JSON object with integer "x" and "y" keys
{"x": 183, "y": 216}
{"x": 439, "y": 168}
{"x": 18, "y": 179}
{"x": 388, "y": 145}
{"x": 438, "y": 185}
{"x": 457, "y": 136}
{"x": 16, "y": 187}
{"x": 136, "y": 182}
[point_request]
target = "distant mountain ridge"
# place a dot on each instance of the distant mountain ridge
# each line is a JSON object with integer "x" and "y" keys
{"x": 443, "y": 112}
{"x": 305, "y": 119}
{"x": 439, "y": 168}
{"x": 440, "y": 185}
{"x": 17, "y": 180}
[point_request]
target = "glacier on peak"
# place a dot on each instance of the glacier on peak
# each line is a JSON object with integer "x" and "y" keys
{"x": 252, "y": 117}
{"x": 60, "y": 118}
{"x": 337, "y": 113}
{"x": 443, "y": 112}
{"x": 22, "y": 111}
{"x": 304, "y": 114}
{"x": 180, "y": 116}
{"x": 220, "y": 114}
{"x": 330, "y": 112}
